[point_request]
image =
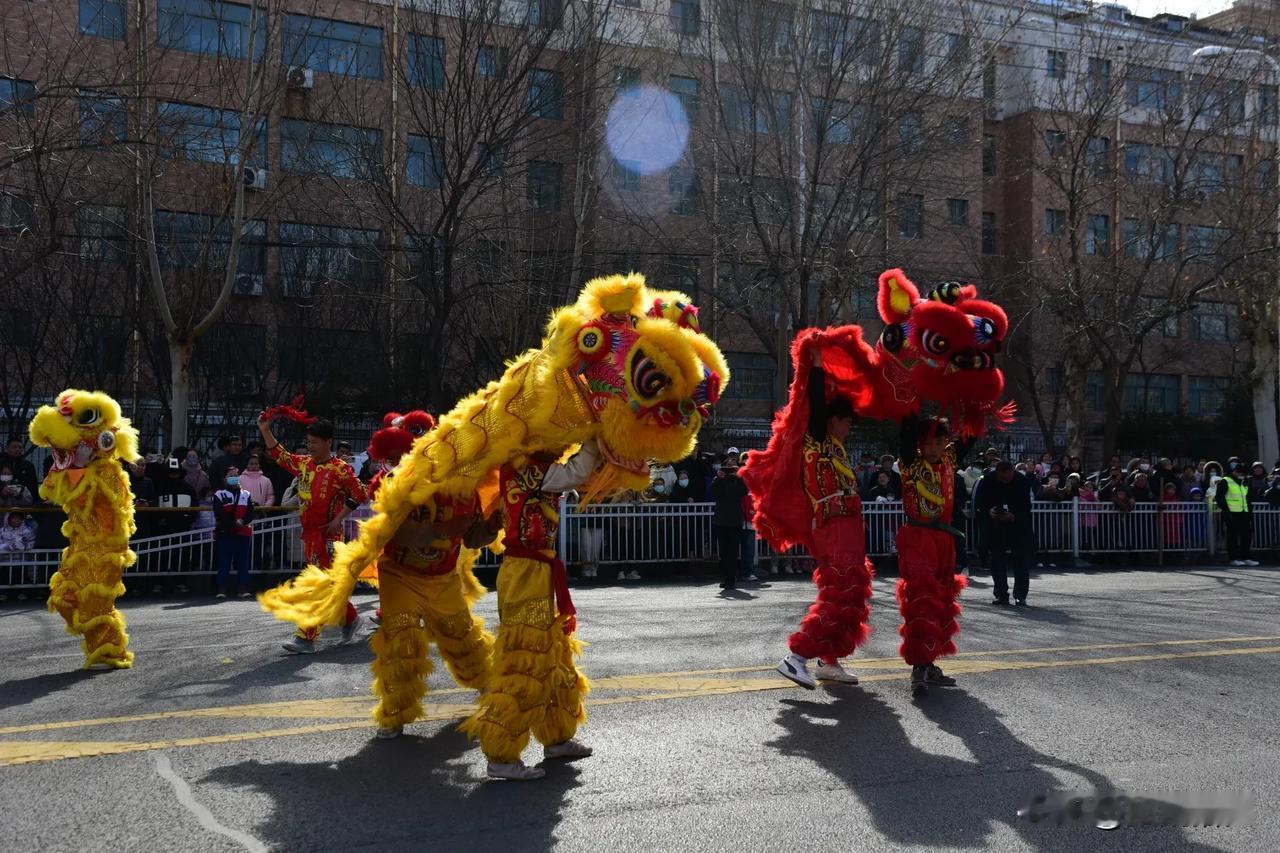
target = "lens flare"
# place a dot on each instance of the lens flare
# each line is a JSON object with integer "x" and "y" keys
{"x": 647, "y": 129}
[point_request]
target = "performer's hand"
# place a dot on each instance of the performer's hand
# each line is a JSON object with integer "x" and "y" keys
{"x": 263, "y": 420}
{"x": 817, "y": 358}
{"x": 334, "y": 526}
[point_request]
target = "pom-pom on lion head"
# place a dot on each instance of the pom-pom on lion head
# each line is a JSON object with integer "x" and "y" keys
{"x": 650, "y": 375}
{"x": 82, "y": 427}
{"x": 398, "y": 434}
{"x": 942, "y": 346}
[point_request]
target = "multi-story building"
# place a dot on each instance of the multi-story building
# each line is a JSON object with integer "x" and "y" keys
{"x": 419, "y": 189}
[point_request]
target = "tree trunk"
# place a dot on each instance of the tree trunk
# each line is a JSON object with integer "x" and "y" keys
{"x": 180, "y": 353}
{"x": 1112, "y": 379}
{"x": 1262, "y": 348}
{"x": 1076, "y": 379}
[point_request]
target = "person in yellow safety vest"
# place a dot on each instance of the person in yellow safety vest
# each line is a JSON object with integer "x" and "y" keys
{"x": 1233, "y": 499}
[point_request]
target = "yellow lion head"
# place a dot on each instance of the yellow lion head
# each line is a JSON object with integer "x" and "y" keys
{"x": 650, "y": 375}
{"x": 82, "y": 427}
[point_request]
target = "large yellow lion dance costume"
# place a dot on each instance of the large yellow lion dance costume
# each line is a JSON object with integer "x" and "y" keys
{"x": 89, "y": 437}
{"x": 624, "y": 366}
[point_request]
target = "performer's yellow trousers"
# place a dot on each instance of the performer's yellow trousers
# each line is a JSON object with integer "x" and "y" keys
{"x": 535, "y": 687}
{"x": 417, "y": 610}
{"x": 84, "y": 593}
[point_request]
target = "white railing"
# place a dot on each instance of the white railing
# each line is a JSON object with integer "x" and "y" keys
{"x": 674, "y": 534}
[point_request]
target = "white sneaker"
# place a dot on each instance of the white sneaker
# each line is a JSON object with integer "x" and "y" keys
{"x": 829, "y": 672}
{"x": 388, "y": 732}
{"x": 567, "y": 751}
{"x": 633, "y": 575}
{"x": 796, "y": 668}
{"x": 349, "y": 631}
{"x": 300, "y": 646}
{"x": 517, "y": 771}
{"x": 1239, "y": 563}
{"x": 622, "y": 576}
{"x": 1252, "y": 563}
{"x": 751, "y": 579}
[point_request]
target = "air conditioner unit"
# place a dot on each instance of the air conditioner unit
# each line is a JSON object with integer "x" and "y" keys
{"x": 244, "y": 385}
{"x": 300, "y": 77}
{"x": 300, "y": 289}
{"x": 248, "y": 284}
{"x": 255, "y": 179}
{"x": 995, "y": 113}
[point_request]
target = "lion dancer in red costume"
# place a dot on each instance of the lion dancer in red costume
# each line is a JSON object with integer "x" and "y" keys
{"x": 928, "y": 586}
{"x": 807, "y": 468}
{"x": 328, "y": 491}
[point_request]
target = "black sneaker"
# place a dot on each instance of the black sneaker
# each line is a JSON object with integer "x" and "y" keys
{"x": 936, "y": 677}
{"x": 1001, "y": 601}
{"x": 1019, "y": 602}
{"x": 919, "y": 681}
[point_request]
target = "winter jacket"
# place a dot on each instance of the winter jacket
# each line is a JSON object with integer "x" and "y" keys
{"x": 259, "y": 487}
{"x": 20, "y": 538}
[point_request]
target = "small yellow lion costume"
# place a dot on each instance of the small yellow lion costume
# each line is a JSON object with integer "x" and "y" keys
{"x": 624, "y": 365}
{"x": 89, "y": 437}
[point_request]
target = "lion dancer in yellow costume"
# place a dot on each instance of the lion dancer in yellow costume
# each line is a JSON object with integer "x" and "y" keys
{"x": 89, "y": 438}
{"x": 624, "y": 366}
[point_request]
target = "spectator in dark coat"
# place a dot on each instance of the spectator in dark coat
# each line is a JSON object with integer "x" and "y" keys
{"x": 23, "y": 471}
{"x": 233, "y": 454}
{"x": 174, "y": 492}
{"x": 728, "y": 491}
{"x": 1005, "y": 498}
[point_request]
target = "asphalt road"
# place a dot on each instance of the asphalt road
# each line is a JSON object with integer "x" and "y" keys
{"x": 1141, "y": 681}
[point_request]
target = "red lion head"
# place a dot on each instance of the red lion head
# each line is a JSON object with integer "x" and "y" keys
{"x": 398, "y": 434}
{"x": 942, "y": 348}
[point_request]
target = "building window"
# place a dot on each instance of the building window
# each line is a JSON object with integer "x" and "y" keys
{"x": 989, "y": 156}
{"x": 15, "y": 212}
{"x": 1204, "y": 241}
{"x": 1056, "y": 64}
{"x": 103, "y": 119}
{"x": 315, "y": 255}
{"x": 686, "y": 17}
{"x": 1153, "y": 88}
{"x": 1093, "y": 391}
{"x": 626, "y": 80}
{"x": 1099, "y": 77}
{"x": 754, "y": 376}
{"x": 1267, "y": 112}
{"x": 1097, "y": 155}
{"x": 103, "y": 18}
{"x": 989, "y": 233}
{"x": 911, "y": 133}
{"x": 208, "y": 135}
{"x": 1055, "y": 221}
{"x": 197, "y": 242}
{"x": 491, "y": 62}
{"x": 425, "y": 163}
{"x": 1206, "y": 396}
{"x": 489, "y": 158}
{"x": 1142, "y": 243}
{"x": 832, "y": 121}
{"x": 17, "y": 96}
{"x": 1215, "y": 321}
{"x": 958, "y": 211}
{"x": 545, "y": 14}
{"x": 544, "y": 185}
{"x": 957, "y": 50}
{"x": 1144, "y": 162}
{"x": 1055, "y": 142}
{"x": 1156, "y": 307}
{"x": 546, "y": 95}
{"x": 212, "y": 27}
{"x": 686, "y": 91}
{"x": 336, "y": 47}
{"x": 334, "y": 150}
{"x": 911, "y": 50}
{"x": 1098, "y": 237}
{"x": 911, "y": 216}
{"x": 102, "y": 230}
{"x": 1215, "y": 98}
{"x": 626, "y": 175}
{"x": 682, "y": 184}
{"x": 426, "y": 62}
{"x": 1151, "y": 393}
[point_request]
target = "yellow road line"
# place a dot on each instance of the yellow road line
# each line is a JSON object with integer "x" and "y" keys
{"x": 32, "y": 752}
{"x": 359, "y": 705}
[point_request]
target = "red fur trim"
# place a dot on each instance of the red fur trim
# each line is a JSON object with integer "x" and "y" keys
{"x": 292, "y": 411}
{"x": 929, "y": 612}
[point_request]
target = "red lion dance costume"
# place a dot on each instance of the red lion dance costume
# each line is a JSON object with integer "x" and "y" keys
{"x": 942, "y": 349}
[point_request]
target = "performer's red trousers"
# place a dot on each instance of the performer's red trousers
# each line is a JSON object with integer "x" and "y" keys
{"x": 927, "y": 591}
{"x": 315, "y": 549}
{"x": 837, "y": 622}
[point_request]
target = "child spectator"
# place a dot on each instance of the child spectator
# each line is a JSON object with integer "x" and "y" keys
{"x": 233, "y": 533}
{"x": 17, "y": 537}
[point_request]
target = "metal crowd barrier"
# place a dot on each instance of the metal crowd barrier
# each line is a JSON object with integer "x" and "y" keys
{"x": 673, "y": 534}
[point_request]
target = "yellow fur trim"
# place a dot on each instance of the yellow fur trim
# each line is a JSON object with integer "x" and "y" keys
{"x": 400, "y": 671}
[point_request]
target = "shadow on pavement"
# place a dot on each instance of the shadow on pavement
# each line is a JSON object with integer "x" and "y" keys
{"x": 921, "y": 798}
{"x": 737, "y": 595}
{"x": 410, "y": 793}
{"x": 20, "y": 691}
{"x": 278, "y": 671}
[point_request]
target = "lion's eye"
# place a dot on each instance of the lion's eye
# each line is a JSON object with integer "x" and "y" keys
{"x": 88, "y": 417}
{"x": 933, "y": 343}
